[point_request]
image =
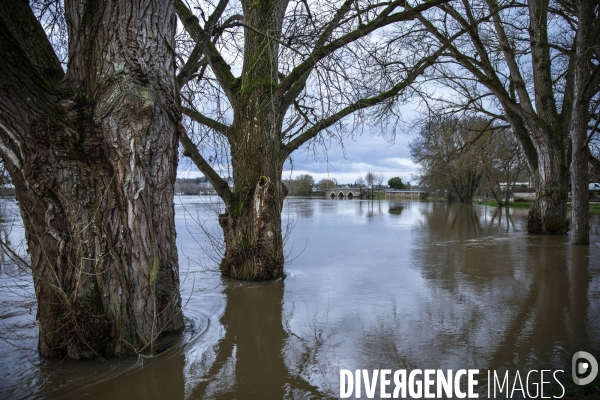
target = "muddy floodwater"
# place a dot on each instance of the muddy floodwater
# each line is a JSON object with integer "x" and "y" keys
{"x": 381, "y": 285}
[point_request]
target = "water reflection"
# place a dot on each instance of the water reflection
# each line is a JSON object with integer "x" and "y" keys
{"x": 395, "y": 208}
{"x": 509, "y": 223}
{"x": 513, "y": 299}
{"x": 379, "y": 285}
{"x": 370, "y": 209}
{"x": 549, "y": 319}
{"x": 303, "y": 207}
{"x": 250, "y": 358}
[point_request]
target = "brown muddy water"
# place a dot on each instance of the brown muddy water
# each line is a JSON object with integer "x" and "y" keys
{"x": 369, "y": 286}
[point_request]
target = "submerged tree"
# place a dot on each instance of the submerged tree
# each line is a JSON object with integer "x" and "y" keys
{"x": 506, "y": 61}
{"x": 92, "y": 154}
{"x": 503, "y": 165}
{"x": 449, "y": 152}
{"x": 586, "y": 85}
{"x": 266, "y": 77}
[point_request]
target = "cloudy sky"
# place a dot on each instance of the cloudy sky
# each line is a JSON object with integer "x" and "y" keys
{"x": 365, "y": 153}
{"x": 368, "y": 152}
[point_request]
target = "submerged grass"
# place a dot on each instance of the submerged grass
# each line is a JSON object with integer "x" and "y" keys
{"x": 516, "y": 204}
{"x": 594, "y": 207}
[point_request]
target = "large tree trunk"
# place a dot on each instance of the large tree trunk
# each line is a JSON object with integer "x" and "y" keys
{"x": 548, "y": 129}
{"x": 252, "y": 222}
{"x": 580, "y": 176}
{"x": 549, "y": 212}
{"x": 579, "y": 124}
{"x": 93, "y": 158}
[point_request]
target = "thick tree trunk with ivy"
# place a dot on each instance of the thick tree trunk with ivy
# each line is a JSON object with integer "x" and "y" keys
{"x": 252, "y": 220}
{"x": 93, "y": 155}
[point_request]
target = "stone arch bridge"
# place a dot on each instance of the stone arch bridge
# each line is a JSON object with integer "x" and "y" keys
{"x": 342, "y": 193}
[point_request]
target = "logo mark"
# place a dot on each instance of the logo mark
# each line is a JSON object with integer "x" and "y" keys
{"x": 582, "y": 367}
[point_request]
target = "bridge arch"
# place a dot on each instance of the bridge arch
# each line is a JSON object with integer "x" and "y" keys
{"x": 342, "y": 193}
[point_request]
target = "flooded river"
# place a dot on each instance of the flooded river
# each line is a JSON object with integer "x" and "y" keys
{"x": 382, "y": 285}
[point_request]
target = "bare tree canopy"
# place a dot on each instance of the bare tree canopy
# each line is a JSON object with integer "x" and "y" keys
{"x": 261, "y": 79}
{"x": 301, "y": 186}
{"x": 512, "y": 60}
{"x": 449, "y": 153}
{"x": 92, "y": 154}
{"x": 325, "y": 184}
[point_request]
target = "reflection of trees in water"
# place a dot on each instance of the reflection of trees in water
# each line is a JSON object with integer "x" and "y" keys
{"x": 451, "y": 222}
{"x": 550, "y": 322}
{"x": 523, "y": 297}
{"x": 143, "y": 377}
{"x": 594, "y": 225}
{"x": 302, "y": 207}
{"x": 395, "y": 208}
{"x": 369, "y": 209}
{"x": 497, "y": 221}
{"x": 382, "y": 346}
{"x": 328, "y": 207}
{"x": 250, "y": 357}
{"x": 464, "y": 222}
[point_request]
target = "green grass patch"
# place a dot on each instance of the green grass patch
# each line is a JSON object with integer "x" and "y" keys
{"x": 515, "y": 204}
{"x": 594, "y": 207}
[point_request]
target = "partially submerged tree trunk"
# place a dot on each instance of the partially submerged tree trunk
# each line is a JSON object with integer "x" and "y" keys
{"x": 585, "y": 86}
{"x": 252, "y": 221}
{"x": 549, "y": 212}
{"x": 537, "y": 123}
{"x": 259, "y": 99}
{"x": 465, "y": 185}
{"x": 93, "y": 158}
{"x": 548, "y": 130}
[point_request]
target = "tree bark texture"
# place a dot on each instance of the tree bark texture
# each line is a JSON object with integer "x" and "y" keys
{"x": 93, "y": 156}
{"x": 541, "y": 129}
{"x": 549, "y": 133}
{"x": 549, "y": 212}
{"x": 260, "y": 97}
{"x": 579, "y": 123}
{"x": 252, "y": 221}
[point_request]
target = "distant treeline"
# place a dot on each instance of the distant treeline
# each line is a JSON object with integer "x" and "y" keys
{"x": 193, "y": 186}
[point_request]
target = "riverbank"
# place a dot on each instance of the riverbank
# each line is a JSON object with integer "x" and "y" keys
{"x": 594, "y": 207}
